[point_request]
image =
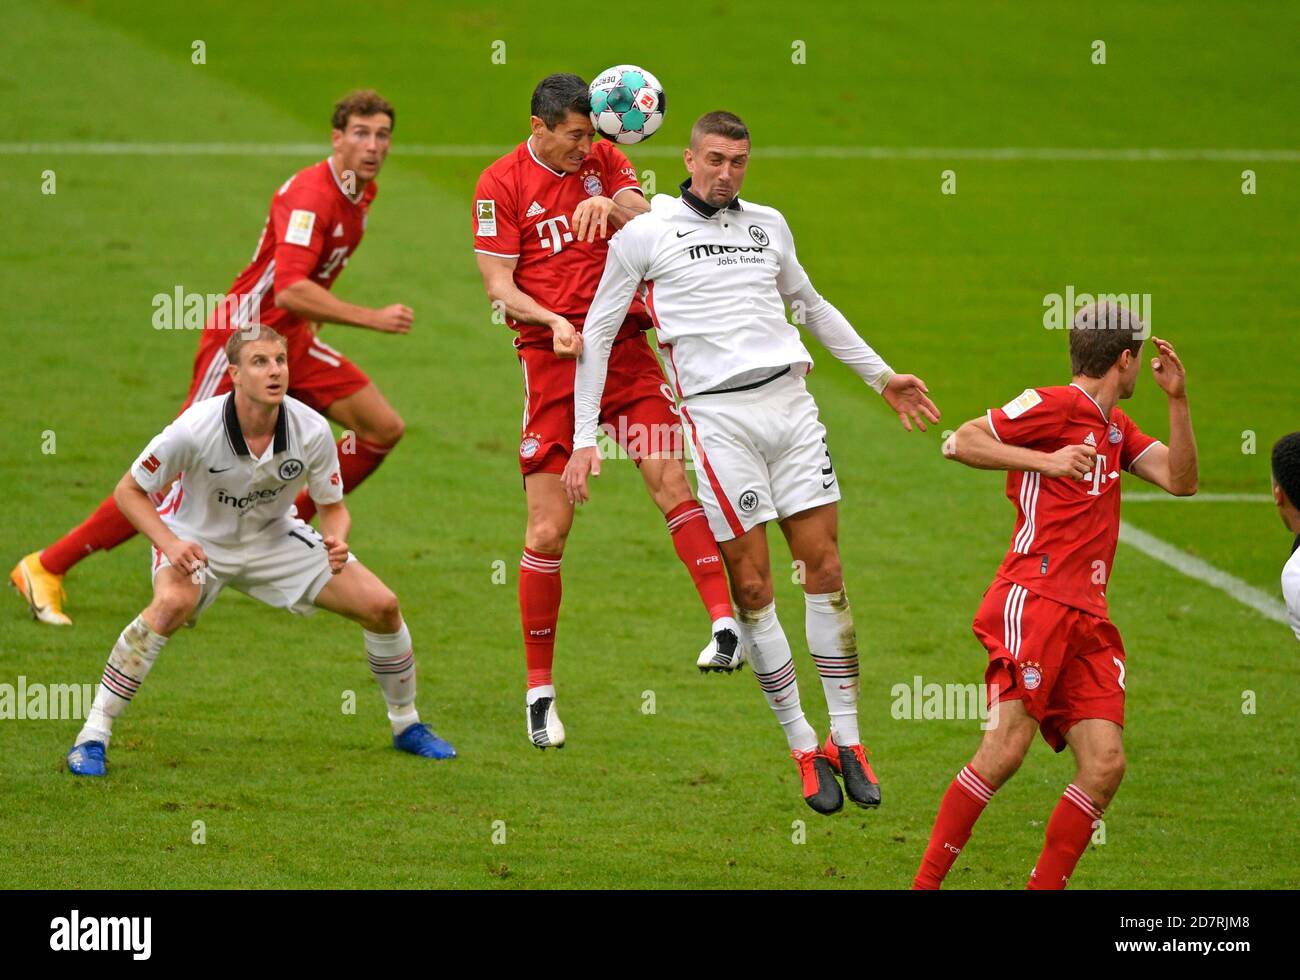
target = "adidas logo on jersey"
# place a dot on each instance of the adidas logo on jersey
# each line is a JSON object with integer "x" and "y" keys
{"x": 1090, "y": 441}
{"x": 338, "y": 230}
{"x": 534, "y": 210}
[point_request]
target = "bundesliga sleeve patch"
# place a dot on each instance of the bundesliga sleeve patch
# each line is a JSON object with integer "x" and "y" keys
{"x": 486, "y": 212}
{"x": 1022, "y": 403}
{"x": 151, "y": 463}
{"x": 300, "y": 225}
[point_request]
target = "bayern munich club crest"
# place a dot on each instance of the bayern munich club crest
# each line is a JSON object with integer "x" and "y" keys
{"x": 748, "y": 501}
{"x": 759, "y": 235}
{"x": 290, "y": 468}
{"x": 529, "y": 445}
{"x": 1113, "y": 435}
{"x": 592, "y": 185}
{"x": 1032, "y": 674}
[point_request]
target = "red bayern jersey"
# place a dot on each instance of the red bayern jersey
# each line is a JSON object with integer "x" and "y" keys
{"x": 524, "y": 210}
{"x": 312, "y": 230}
{"x": 1063, "y": 547}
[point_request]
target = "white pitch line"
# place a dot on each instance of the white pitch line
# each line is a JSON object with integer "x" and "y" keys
{"x": 1193, "y": 567}
{"x": 1143, "y": 497}
{"x": 1042, "y": 153}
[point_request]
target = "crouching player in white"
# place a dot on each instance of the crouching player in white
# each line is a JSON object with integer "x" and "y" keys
{"x": 241, "y": 460}
{"x": 716, "y": 274}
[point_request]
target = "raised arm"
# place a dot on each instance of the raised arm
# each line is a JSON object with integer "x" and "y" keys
{"x": 1171, "y": 467}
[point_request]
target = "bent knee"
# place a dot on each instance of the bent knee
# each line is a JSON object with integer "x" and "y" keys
{"x": 384, "y": 613}
{"x": 171, "y": 608}
{"x": 752, "y": 592}
{"x": 547, "y": 536}
{"x": 385, "y": 430}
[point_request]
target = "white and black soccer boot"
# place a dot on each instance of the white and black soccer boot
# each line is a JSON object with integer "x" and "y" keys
{"x": 724, "y": 654}
{"x": 545, "y": 730}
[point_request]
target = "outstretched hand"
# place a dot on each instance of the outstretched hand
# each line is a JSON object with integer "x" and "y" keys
{"x": 908, "y": 396}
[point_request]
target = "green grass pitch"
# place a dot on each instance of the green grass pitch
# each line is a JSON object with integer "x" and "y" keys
{"x": 241, "y": 725}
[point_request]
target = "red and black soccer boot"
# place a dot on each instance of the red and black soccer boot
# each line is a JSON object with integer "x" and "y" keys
{"x": 850, "y": 761}
{"x": 820, "y": 789}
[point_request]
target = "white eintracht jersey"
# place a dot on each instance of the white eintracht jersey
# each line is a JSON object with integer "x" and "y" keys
{"x": 1291, "y": 588}
{"x": 716, "y": 282}
{"x": 226, "y": 497}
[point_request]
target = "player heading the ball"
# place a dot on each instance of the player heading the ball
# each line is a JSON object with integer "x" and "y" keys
{"x": 237, "y": 461}
{"x": 540, "y": 220}
{"x": 716, "y": 273}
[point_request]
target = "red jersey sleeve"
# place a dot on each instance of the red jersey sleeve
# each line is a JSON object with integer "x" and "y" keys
{"x": 619, "y": 169}
{"x": 496, "y": 217}
{"x": 300, "y": 219}
{"x": 1136, "y": 442}
{"x": 1032, "y": 417}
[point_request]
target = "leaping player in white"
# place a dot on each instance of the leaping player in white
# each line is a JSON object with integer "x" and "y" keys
{"x": 242, "y": 459}
{"x": 716, "y": 274}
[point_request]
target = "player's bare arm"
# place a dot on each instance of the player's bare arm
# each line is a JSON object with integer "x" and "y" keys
{"x": 335, "y": 523}
{"x": 975, "y": 445}
{"x": 603, "y": 215}
{"x": 310, "y": 301}
{"x": 499, "y": 280}
{"x": 1171, "y": 467}
{"x": 134, "y": 502}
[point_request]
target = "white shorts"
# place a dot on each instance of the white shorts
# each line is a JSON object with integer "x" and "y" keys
{"x": 286, "y": 567}
{"x": 760, "y": 455}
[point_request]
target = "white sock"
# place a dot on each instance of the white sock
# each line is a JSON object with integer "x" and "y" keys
{"x": 133, "y": 654}
{"x": 769, "y": 653}
{"x": 834, "y": 645}
{"x": 392, "y": 661}
{"x": 724, "y": 623}
{"x": 535, "y": 694}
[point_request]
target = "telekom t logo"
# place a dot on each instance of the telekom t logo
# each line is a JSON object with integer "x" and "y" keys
{"x": 554, "y": 232}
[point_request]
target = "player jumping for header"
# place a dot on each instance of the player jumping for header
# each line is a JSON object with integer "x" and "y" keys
{"x": 541, "y": 216}
{"x": 716, "y": 274}
{"x": 226, "y": 521}
{"x": 316, "y": 222}
{"x": 1056, "y": 661}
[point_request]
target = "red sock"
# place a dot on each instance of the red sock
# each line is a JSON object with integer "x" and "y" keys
{"x": 539, "y": 609}
{"x": 105, "y": 528}
{"x": 354, "y": 466}
{"x": 1068, "y": 833}
{"x": 699, "y": 553}
{"x": 962, "y": 805}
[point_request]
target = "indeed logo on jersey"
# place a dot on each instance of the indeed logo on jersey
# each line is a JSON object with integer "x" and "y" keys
{"x": 724, "y": 252}
{"x": 250, "y": 499}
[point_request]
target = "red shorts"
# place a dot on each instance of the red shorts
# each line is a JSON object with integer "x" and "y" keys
{"x": 1065, "y": 664}
{"x": 318, "y": 374}
{"x": 637, "y": 409}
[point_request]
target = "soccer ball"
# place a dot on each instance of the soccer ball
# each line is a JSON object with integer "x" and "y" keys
{"x": 627, "y": 104}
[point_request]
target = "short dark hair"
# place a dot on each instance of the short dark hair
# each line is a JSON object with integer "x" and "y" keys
{"x": 1099, "y": 334}
{"x": 1286, "y": 466}
{"x": 559, "y": 94}
{"x": 728, "y": 125}
{"x": 363, "y": 102}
